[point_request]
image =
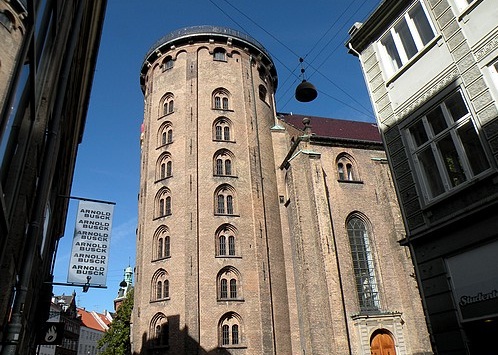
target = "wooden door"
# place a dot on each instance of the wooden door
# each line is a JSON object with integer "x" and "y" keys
{"x": 382, "y": 344}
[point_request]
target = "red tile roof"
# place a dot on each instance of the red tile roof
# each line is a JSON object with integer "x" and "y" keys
{"x": 88, "y": 319}
{"x": 335, "y": 128}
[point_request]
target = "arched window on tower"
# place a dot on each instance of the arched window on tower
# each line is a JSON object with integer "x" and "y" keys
{"x": 229, "y": 284}
{"x": 262, "y": 93}
{"x": 225, "y": 240}
{"x": 164, "y": 166}
{"x": 262, "y": 73}
{"x": 363, "y": 264}
{"x": 223, "y": 163}
{"x": 159, "y": 331}
{"x": 220, "y": 54}
{"x": 221, "y": 98}
{"x": 165, "y": 134}
{"x": 7, "y": 20}
{"x": 167, "y": 63}
{"x": 222, "y": 129}
{"x": 160, "y": 286}
{"x": 230, "y": 330}
{"x": 162, "y": 243}
{"x": 163, "y": 203}
{"x": 224, "y": 200}
{"x": 168, "y": 102}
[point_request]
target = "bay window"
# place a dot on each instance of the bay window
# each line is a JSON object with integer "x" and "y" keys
{"x": 446, "y": 147}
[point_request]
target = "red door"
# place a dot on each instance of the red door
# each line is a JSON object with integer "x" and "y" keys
{"x": 382, "y": 344}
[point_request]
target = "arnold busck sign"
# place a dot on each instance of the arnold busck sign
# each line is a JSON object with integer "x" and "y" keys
{"x": 92, "y": 236}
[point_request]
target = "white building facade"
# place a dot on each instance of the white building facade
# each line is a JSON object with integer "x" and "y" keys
{"x": 431, "y": 71}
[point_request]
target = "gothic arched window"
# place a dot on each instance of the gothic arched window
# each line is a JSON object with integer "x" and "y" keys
{"x": 224, "y": 200}
{"x": 220, "y": 54}
{"x": 230, "y": 330}
{"x": 164, "y": 166}
{"x": 160, "y": 285}
{"x": 168, "y": 102}
{"x": 221, "y": 99}
{"x": 163, "y": 203}
{"x": 223, "y": 163}
{"x": 346, "y": 168}
{"x": 165, "y": 134}
{"x": 225, "y": 239}
{"x": 159, "y": 331}
{"x": 162, "y": 243}
{"x": 363, "y": 264}
{"x": 222, "y": 130}
{"x": 229, "y": 284}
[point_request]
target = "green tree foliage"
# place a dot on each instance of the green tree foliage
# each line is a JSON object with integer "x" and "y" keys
{"x": 116, "y": 341}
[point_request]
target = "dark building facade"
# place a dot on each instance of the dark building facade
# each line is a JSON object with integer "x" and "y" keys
{"x": 431, "y": 70}
{"x": 47, "y": 61}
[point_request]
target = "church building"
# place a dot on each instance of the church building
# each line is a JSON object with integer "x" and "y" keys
{"x": 262, "y": 232}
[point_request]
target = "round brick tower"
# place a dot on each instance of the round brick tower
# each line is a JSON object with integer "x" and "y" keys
{"x": 210, "y": 270}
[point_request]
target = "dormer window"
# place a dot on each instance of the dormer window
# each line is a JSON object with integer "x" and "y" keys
{"x": 219, "y": 54}
{"x": 168, "y": 63}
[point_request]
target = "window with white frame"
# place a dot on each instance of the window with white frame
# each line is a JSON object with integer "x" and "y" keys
{"x": 445, "y": 146}
{"x": 406, "y": 38}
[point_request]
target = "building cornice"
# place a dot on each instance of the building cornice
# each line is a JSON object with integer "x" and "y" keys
{"x": 201, "y": 34}
{"x": 377, "y": 23}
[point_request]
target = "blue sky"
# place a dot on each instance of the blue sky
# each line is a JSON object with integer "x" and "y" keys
{"x": 108, "y": 159}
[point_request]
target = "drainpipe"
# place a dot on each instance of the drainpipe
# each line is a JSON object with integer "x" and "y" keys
{"x": 14, "y": 333}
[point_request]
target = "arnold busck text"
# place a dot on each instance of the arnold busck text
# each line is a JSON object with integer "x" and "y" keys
{"x": 88, "y": 270}
{"x": 95, "y": 214}
{"x": 96, "y": 236}
{"x": 91, "y": 247}
{"x": 90, "y": 258}
{"x": 87, "y": 224}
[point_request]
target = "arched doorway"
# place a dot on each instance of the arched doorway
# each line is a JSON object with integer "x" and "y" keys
{"x": 382, "y": 343}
